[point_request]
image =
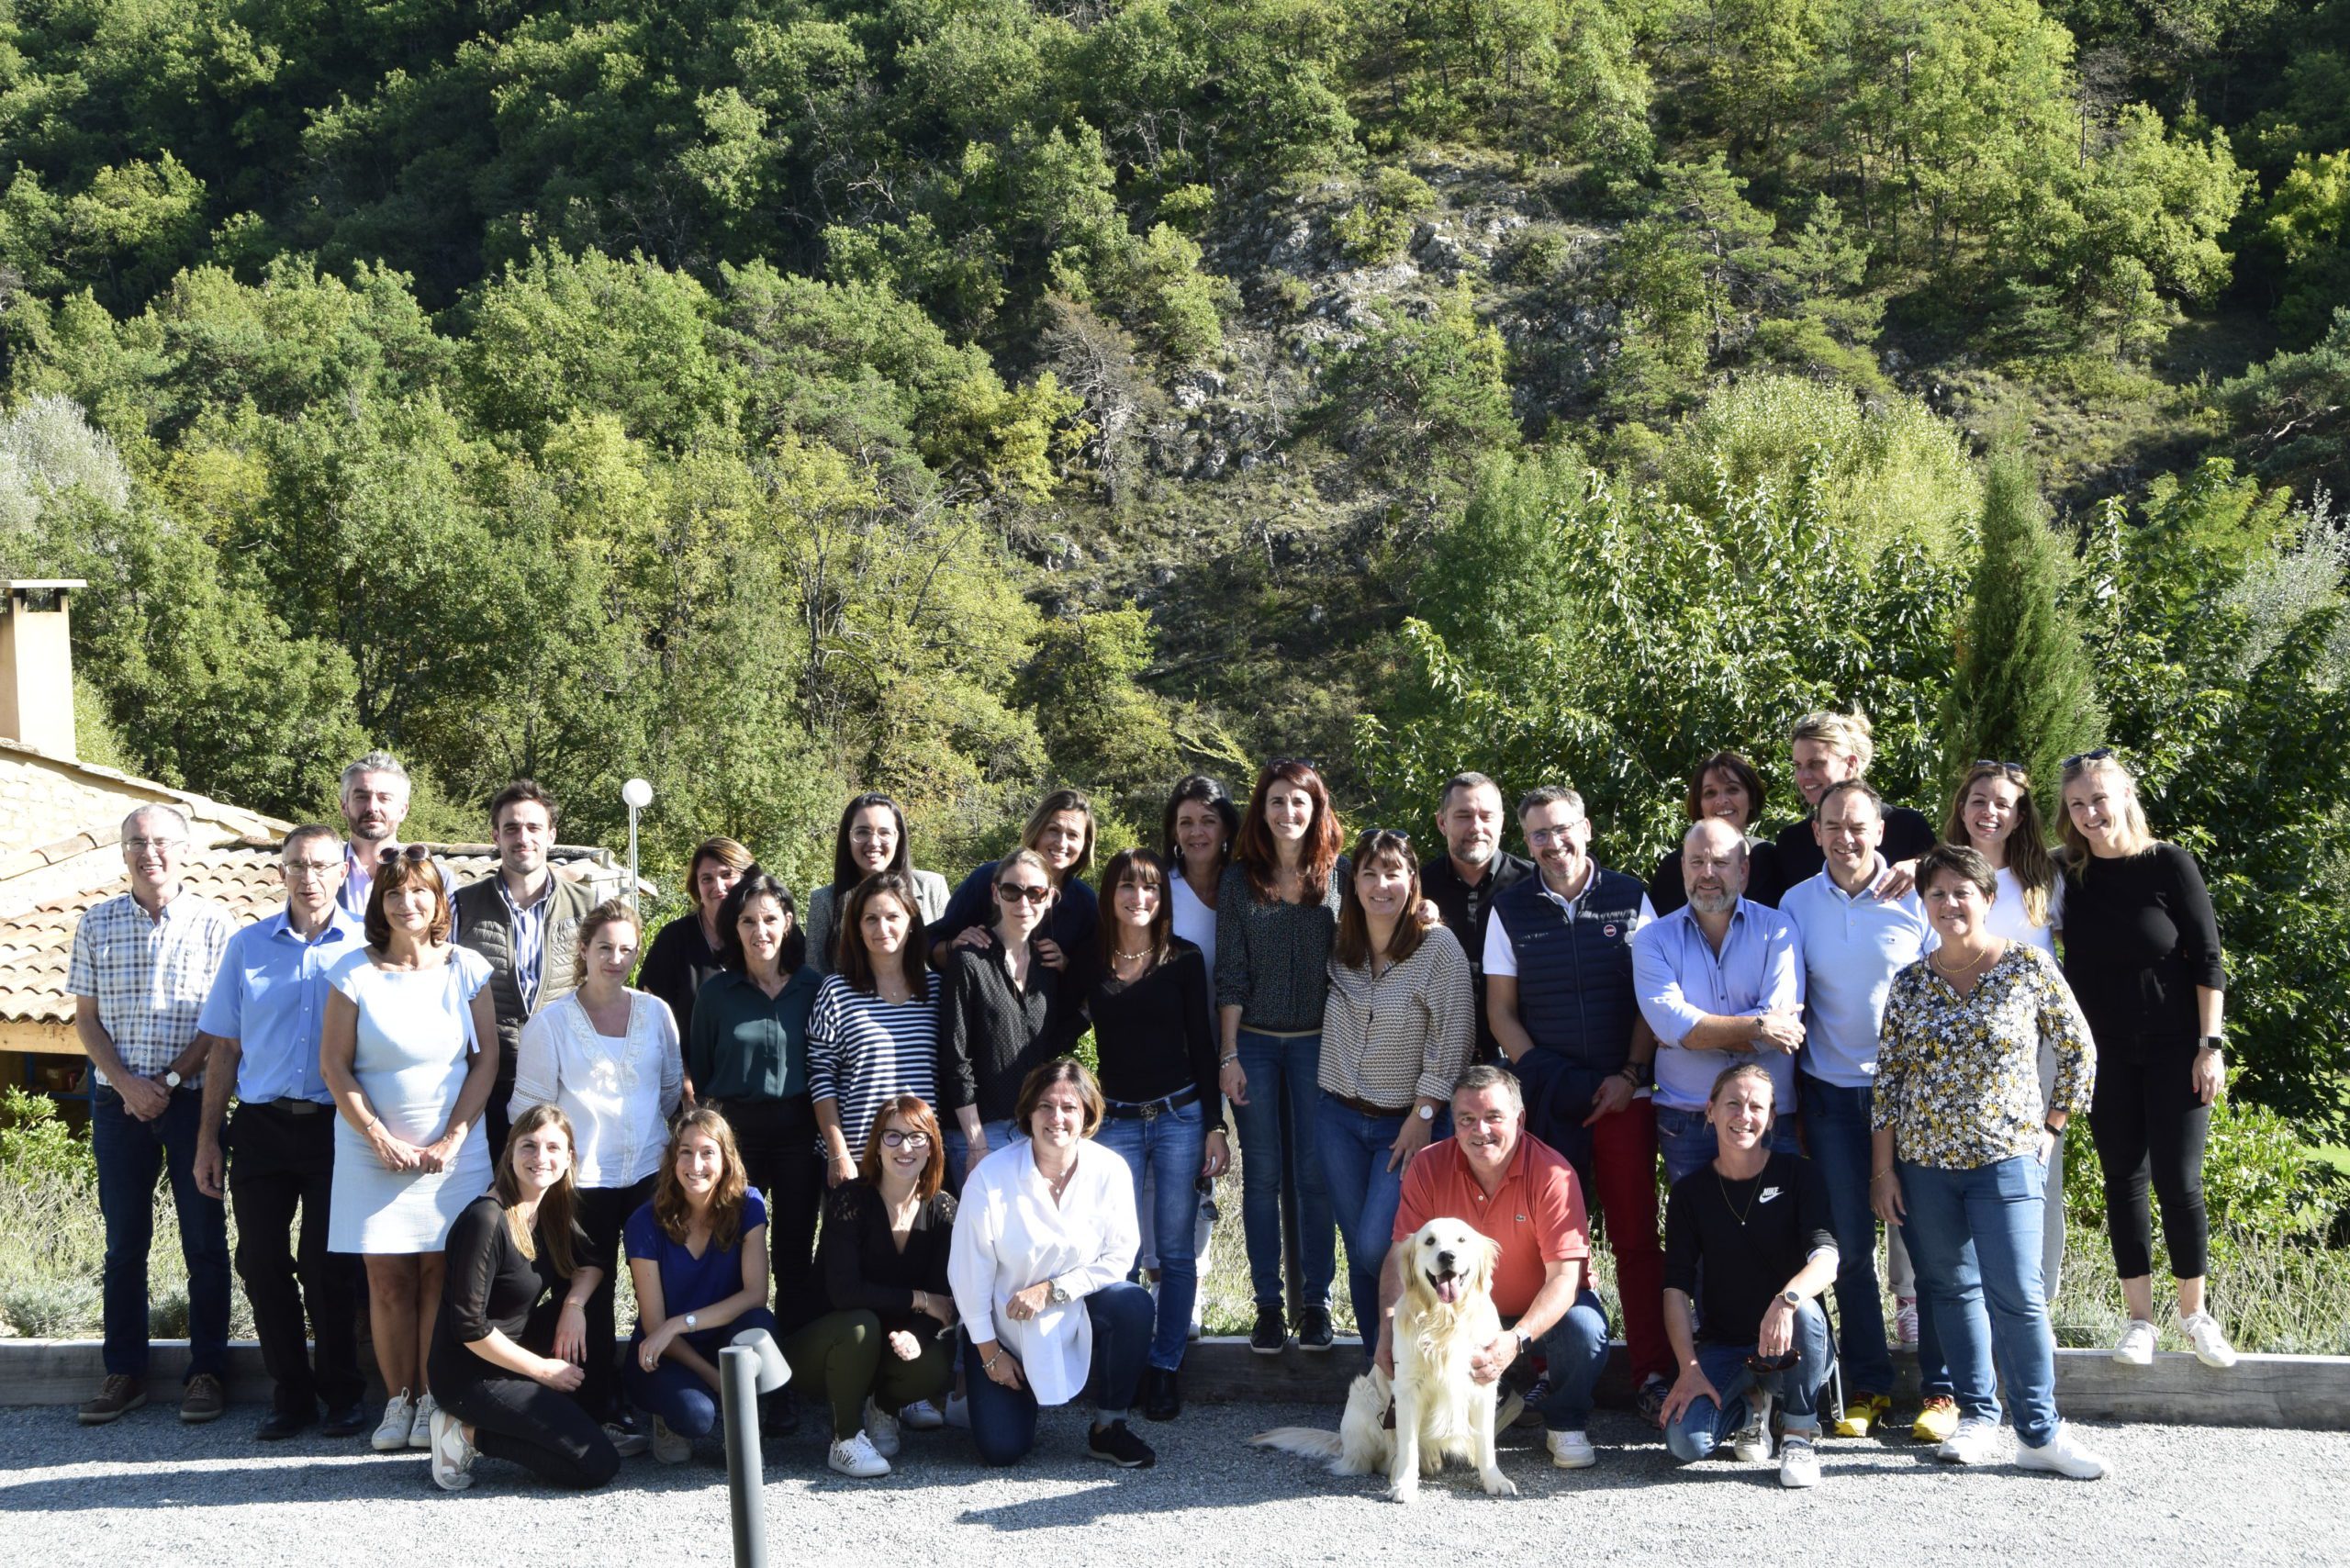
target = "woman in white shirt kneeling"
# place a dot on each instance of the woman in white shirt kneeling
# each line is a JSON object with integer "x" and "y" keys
{"x": 1044, "y": 1241}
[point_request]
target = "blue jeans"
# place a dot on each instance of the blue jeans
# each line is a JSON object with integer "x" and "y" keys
{"x": 1277, "y": 1133}
{"x": 1575, "y": 1352}
{"x": 1695, "y": 1432}
{"x": 1687, "y": 1142}
{"x": 1003, "y": 1420}
{"x": 1168, "y": 1149}
{"x": 1364, "y": 1195}
{"x": 1836, "y": 1126}
{"x": 130, "y": 1155}
{"x": 1974, "y": 1236}
{"x": 958, "y": 1148}
{"x": 674, "y": 1390}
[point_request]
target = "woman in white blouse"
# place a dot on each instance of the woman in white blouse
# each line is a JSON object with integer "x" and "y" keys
{"x": 608, "y": 1058}
{"x": 1042, "y": 1244}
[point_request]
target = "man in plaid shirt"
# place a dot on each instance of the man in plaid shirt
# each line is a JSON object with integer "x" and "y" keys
{"x": 142, "y": 965}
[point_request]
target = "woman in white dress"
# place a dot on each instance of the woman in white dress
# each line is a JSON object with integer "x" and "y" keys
{"x": 407, "y": 1020}
{"x": 608, "y": 1057}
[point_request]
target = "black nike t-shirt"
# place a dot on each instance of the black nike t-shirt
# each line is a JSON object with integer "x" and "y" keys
{"x": 1752, "y": 1237}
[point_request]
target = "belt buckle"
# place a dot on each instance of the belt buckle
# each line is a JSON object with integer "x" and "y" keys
{"x": 1150, "y": 1113}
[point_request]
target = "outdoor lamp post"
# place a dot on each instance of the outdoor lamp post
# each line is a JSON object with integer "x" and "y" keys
{"x": 639, "y": 795}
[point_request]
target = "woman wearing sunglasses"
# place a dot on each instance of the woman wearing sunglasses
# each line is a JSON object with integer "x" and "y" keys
{"x": 884, "y": 1341}
{"x": 1000, "y": 1011}
{"x": 1747, "y": 1239}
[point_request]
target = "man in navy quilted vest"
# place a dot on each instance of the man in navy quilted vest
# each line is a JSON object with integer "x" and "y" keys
{"x": 1557, "y": 965}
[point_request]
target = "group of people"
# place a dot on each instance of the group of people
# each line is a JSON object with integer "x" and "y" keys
{"x": 853, "y": 1138}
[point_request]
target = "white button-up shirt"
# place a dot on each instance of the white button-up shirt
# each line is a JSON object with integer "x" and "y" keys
{"x": 619, "y": 1091}
{"x": 1009, "y": 1234}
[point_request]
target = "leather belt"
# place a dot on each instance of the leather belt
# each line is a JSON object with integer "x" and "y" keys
{"x": 1365, "y": 1108}
{"x": 1151, "y": 1110}
{"x": 293, "y": 1105}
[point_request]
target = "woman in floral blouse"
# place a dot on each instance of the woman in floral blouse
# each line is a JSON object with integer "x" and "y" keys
{"x": 1963, "y": 1135}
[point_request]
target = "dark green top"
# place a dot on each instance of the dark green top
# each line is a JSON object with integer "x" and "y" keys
{"x": 747, "y": 1045}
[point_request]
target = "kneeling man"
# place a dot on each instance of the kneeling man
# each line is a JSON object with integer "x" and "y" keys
{"x": 1522, "y": 1193}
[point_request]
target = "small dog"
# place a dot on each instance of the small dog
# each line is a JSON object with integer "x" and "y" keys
{"x": 1445, "y": 1314}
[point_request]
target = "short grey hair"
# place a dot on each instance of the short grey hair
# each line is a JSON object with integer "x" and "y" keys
{"x": 1485, "y": 1076}
{"x": 1552, "y": 795}
{"x": 1467, "y": 781}
{"x": 157, "y": 809}
{"x": 374, "y": 762}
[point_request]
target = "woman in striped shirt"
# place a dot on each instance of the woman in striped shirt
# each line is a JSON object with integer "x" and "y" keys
{"x": 1397, "y": 1030}
{"x": 873, "y": 1035}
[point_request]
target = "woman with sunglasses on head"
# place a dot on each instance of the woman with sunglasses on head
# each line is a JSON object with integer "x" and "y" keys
{"x": 1277, "y": 914}
{"x": 871, "y": 839}
{"x": 2141, "y": 948}
{"x": 1398, "y": 1028}
{"x": 1144, "y": 990}
{"x": 874, "y": 1033}
{"x": 509, "y": 1345}
{"x": 1061, "y": 832}
{"x": 884, "y": 1342}
{"x": 1001, "y": 1013}
{"x": 409, "y": 1047}
{"x": 684, "y": 955}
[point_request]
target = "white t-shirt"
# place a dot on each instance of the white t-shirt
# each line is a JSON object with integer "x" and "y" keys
{"x": 2007, "y": 918}
{"x": 1195, "y": 923}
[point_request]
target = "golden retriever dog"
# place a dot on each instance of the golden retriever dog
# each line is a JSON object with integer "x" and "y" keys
{"x": 1445, "y": 1315}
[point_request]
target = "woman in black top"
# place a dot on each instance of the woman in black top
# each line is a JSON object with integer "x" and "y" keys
{"x": 882, "y": 1346}
{"x": 999, "y": 1013}
{"x": 1145, "y": 992}
{"x": 509, "y": 1347}
{"x": 686, "y": 952}
{"x": 1726, "y": 786}
{"x": 2142, "y": 950}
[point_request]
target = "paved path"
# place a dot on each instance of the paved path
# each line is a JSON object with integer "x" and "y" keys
{"x": 150, "y": 1491}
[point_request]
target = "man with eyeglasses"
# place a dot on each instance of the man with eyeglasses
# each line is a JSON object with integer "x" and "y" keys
{"x": 375, "y": 795}
{"x": 141, "y": 965}
{"x": 1558, "y": 964}
{"x": 1464, "y": 881}
{"x": 262, "y": 1024}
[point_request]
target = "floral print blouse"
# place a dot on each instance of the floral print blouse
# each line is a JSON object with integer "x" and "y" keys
{"x": 1958, "y": 1077}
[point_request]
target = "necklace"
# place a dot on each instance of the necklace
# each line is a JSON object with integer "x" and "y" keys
{"x": 1966, "y": 968}
{"x": 1059, "y": 1183}
{"x": 1734, "y": 1212}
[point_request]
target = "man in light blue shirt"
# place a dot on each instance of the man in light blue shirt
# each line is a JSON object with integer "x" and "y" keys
{"x": 1855, "y": 939}
{"x": 1718, "y": 980}
{"x": 263, "y": 1019}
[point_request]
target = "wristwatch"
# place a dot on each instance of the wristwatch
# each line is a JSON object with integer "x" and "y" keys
{"x": 1525, "y": 1344}
{"x": 1791, "y": 1296}
{"x": 1427, "y": 1112}
{"x": 2213, "y": 1044}
{"x": 691, "y": 1324}
{"x": 1643, "y": 1074}
{"x": 1059, "y": 1292}
{"x": 170, "y": 1078}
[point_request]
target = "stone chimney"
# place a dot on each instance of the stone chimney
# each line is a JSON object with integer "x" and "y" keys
{"x": 37, "y": 666}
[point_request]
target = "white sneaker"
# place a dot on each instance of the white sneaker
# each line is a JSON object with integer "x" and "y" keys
{"x": 668, "y": 1446}
{"x": 854, "y": 1456}
{"x": 1506, "y": 1412}
{"x": 2137, "y": 1345}
{"x": 1905, "y": 1321}
{"x": 1799, "y": 1463}
{"x": 2211, "y": 1347}
{"x": 399, "y": 1419}
{"x": 1977, "y": 1441}
{"x": 1571, "y": 1451}
{"x": 626, "y": 1442}
{"x": 2062, "y": 1455}
{"x": 1751, "y": 1442}
{"x": 419, "y": 1432}
{"x": 922, "y": 1416}
{"x": 453, "y": 1457}
{"x": 958, "y": 1412}
{"x": 882, "y": 1429}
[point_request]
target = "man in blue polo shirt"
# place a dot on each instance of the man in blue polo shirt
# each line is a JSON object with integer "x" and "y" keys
{"x": 1854, "y": 938}
{"x": 1719, "y": 979}
{"x": 263, "y": 1019}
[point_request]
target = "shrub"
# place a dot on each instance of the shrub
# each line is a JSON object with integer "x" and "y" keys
{"x": 35, "y": 1143}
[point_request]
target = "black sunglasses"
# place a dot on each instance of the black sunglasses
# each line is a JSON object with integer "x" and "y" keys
{"x": 1011, "y": 891}
{"x": 406, "y": 852}
{"x": 1279, "y": 763}
{"x": 1761, "y": 1365}
{"x": 2100, "y": 755}
{"x": 1994, "y": 762}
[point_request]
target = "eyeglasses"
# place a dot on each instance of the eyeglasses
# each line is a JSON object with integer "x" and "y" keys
{"x": 1011, "y": 893}
{"x": 1559, "y": 835}
{"x": 142, "y": 845}
{"x": 2100, "y": 755}
{"x": 297, "y": 870}
{"x": 893, "y": 1139}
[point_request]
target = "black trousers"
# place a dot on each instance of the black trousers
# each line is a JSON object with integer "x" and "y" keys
{"x": 778, "y": 1138}
{"x": 2146, "y": 1122}
{"x": 603, "y": 1214}
{"x": 523, "y": 1421}
{"x": 280, "y": 1162}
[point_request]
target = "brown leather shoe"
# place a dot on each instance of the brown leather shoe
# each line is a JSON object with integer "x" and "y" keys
{"x": 204, "y": 1399}
{"x": 118, "y": 1396}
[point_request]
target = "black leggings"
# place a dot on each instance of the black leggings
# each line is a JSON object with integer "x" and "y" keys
{"x": 778, "y": 1138}
{"x": 526, "y": 1422}
{"x": 2144, "y": 1115}
{"x": 603, "y": 1214}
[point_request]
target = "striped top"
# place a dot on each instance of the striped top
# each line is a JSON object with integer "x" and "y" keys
{"x": 1407, "y": 1032}
{"x": 863, "y": 1051}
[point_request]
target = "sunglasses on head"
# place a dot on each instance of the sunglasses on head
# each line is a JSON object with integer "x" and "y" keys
{"x": 1994, "y": 762}
{"x": 1280, "y": 763}
{"x": 2100, "y": 755}
{"x": 416, "y": 852}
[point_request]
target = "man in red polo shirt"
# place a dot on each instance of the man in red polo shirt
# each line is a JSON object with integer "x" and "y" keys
{"x": 1522, "y": 1193}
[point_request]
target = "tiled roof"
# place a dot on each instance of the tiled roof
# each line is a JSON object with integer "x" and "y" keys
{"x": 204, "y": 808}
{"x": 35, "y": 946}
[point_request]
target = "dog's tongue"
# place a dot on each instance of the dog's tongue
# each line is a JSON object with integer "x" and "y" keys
{"x": 1447, "y": 1288}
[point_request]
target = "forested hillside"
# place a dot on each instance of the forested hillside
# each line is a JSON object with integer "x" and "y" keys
{"x": 772, "y": 396}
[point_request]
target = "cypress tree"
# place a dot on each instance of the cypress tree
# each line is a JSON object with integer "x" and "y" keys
{"x": 2025, "y": 691}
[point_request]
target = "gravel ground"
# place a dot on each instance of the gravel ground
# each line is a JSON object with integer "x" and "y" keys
{"x": 149, "y": 1490}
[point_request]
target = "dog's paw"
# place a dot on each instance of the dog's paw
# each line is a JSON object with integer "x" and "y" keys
{"x": 1403, "y": 1491}
{"x": 1498, "y": 1486}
